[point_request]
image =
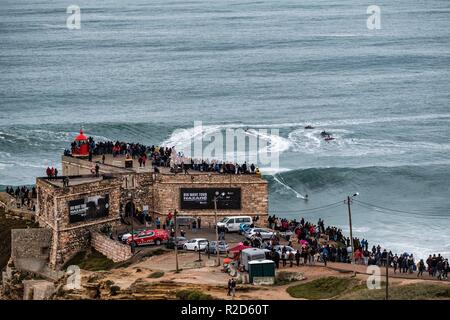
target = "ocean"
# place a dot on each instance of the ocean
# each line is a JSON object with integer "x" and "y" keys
{"x": 139, "y": 70}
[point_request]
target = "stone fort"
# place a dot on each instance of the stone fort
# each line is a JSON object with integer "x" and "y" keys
{"x": 78, "y": 204}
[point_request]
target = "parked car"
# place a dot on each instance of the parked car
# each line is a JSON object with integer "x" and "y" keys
{"x": 124, "y": 237}
{"x": 266, "y": 234}
{"x": 223, "y": 247}
{"x": 146, "y": 237}
{"x": 196, "y": 244}
{"x": 180, "y": 242}
{"x": 232, "y": 224}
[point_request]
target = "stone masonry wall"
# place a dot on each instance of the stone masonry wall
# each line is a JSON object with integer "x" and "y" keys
{"x": 254, "y": 194}
{"x": 30, "y": 248}
{"x": 73, "y": 167}
{"x": 114, "y": 250}
{"x": 53, "y": 213}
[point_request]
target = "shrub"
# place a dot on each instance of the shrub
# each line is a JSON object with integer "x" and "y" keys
{"x": 114, "y": 290}
{"x": 191, "y": 294}
{"x": 322, "y": 288}
{"x": 157, "y": 274}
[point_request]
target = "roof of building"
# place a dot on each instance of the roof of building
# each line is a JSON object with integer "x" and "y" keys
{"x": 81, "y": 136}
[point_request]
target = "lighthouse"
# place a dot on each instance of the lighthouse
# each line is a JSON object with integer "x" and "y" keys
{"x": 80, "y": 147}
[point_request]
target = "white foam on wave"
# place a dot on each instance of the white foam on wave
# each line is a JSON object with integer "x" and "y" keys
{"x": 3, "y": 166}
{"x": 270, "y": 171}
{"x": 311, "y": 142}
{"x": 182, "y": 139}
{"x": 343, "y": 122}
{"x": 281, "y": 181}
{"x": 356, "y": 121}
{"x": 346, "y": 229}
{"x": 275, "y": 143}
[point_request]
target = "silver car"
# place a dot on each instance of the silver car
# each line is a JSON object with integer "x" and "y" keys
{"x": 266, "y": 234}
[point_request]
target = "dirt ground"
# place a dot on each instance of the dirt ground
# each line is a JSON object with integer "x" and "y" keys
{"x": 204, "y": 273}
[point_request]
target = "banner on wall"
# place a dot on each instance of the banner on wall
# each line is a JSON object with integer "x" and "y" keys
{"x": 203, "y": 198}
{"x": 88, "y": 208}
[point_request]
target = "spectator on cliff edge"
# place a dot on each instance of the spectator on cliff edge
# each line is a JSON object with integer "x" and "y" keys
{"x": 420, "y": 268}
{"x": 233, "y": 287}
{"x": 291, "y": 258}
{"x": 229, "y": 287}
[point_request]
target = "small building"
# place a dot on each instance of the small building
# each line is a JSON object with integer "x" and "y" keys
{"x": 261, "y": 270}
{"x": 88, "y": 204}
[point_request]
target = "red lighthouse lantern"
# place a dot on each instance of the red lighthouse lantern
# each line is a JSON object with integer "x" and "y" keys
{"x": 80, "y": 147}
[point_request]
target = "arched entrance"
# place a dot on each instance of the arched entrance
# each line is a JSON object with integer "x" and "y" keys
{"x": 130, "y": 209}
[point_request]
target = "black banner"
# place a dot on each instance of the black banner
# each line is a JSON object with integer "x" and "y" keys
{"x": 203, "y": 198}
{"x": 88, "y": 208}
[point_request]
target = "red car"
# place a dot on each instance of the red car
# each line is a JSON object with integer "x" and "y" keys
{"x": 145, "y": 237}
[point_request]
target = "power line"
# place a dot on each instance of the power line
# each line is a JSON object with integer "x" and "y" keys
{"x": 328, "y": 206}
{"x": 389, "y": 210}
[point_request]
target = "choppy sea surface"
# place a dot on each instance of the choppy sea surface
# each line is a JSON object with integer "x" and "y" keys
{"x": 138, "y": 70}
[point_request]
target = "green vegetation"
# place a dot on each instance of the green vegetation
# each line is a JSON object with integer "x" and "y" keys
{"x": 286, "y": 277}
{"x": 322, "y": 288}
{"x": 354, "y": 289}
{"x": 155, "y": 275}
{"x": 415, "y": 291}
{"x": 190, "y": 294}
{"x": 91, "y": 261}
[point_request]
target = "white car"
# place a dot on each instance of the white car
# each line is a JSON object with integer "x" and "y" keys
{"x": 279, "y": 249}
{"x": 233, "y": 223}
{"x": 196, "y": 244}
{"x": 266, "y": 234}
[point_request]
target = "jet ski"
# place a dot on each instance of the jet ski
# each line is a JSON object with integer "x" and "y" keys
{"x": 309, "y": 127}
{"x": 329, "y": 138}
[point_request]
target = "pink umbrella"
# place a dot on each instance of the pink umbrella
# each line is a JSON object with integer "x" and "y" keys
{"x": 303, "y": 242}
{"x": 240, "y": 246}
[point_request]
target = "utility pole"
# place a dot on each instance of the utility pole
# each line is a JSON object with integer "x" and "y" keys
{"x": 132, "y": 223}
{"x": 175, "y": 213}
{"x": 351, "y": 233}
{"x": 217, "y": 230}
{"x": 387, "y": 276}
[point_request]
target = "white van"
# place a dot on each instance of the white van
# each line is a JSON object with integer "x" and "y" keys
{"x": 232, "y": 224}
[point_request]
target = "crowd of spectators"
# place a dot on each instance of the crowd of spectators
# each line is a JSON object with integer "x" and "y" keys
{"x": 165, "y": 157}
{"x": 25, "y": 198}
{"x": 319, "y": 243}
